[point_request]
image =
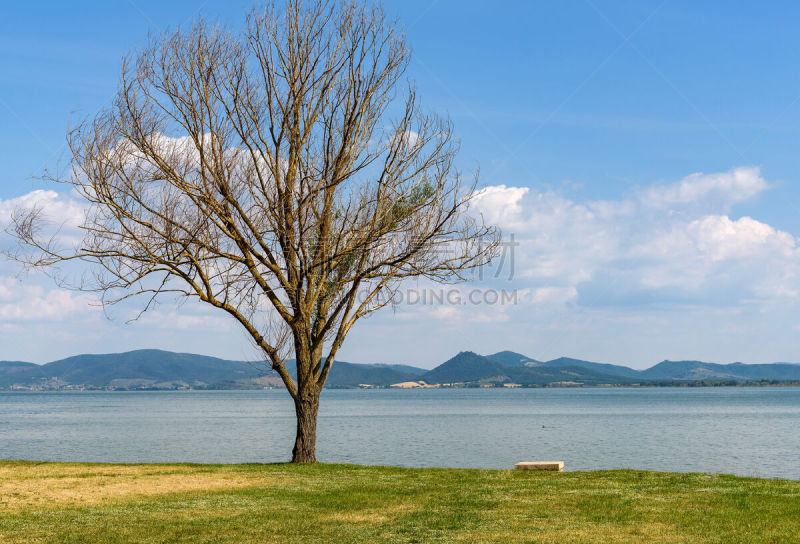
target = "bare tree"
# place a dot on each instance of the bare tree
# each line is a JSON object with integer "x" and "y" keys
{"x": 284, "y": 175}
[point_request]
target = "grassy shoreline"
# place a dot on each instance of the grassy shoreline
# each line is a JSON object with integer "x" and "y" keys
{"x": 109, "y": 503}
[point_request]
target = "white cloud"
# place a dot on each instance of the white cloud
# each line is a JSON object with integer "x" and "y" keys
{"x": 190, "y": 317}
{"x": 550, "y": 295}
{"x": 500, "y": 203}
{"x": 22, "y": 302}
{"x": 660, "y": 245}
{"x": 721, "y": 238}
{"x": 718, "y": 238}
{"x": 60, "y": 209}
{"x": 725, "y": 188}
{"x": 36, "y": 298}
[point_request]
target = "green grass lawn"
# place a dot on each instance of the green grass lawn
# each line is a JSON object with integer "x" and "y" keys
{"x": 103, "y": 503}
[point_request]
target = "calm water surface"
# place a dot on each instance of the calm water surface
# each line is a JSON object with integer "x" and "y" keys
{"x": 747, "y": 431}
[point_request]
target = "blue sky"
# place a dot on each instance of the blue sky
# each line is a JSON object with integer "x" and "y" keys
{"x": 591, "y": 115}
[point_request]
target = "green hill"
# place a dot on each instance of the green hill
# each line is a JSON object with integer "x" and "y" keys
{"x": 698, "y": 370}
{"x": 602, "y": 368}
{"x": 12, "y": 372}
{"x": 344, "y": 374}
{"x": 467, "y": 367}
{"x": 510, "y": 358}
{"x": 150, "y": 365}
{"x": 545, "y": 375}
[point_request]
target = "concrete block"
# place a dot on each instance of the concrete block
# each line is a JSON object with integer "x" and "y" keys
{"x": 555, "y": 466}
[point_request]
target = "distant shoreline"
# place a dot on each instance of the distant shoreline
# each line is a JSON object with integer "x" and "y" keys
{"x": 674, "y": 385}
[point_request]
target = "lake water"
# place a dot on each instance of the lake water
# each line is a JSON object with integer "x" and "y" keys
{"x": 747, "y": 431}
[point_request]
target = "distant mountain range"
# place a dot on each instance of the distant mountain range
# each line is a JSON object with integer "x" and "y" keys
{"x": 147, "y": 368}
{"x": 156, "y": 369}
{"x": 468, "y": 367}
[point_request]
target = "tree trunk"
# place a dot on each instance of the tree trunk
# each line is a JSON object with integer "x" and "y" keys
{"x": 305, "y": 444}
